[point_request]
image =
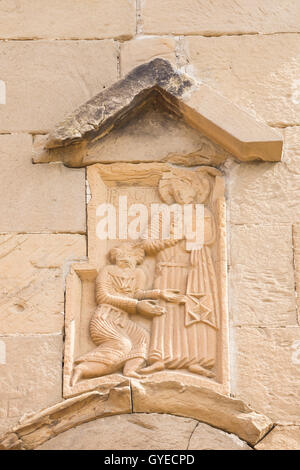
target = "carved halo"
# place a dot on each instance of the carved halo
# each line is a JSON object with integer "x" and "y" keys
{"x": 199, "y": 182}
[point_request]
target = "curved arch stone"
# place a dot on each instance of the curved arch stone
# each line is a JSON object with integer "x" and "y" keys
{"x": 165, "y": 397}
{"x": 145, "y": 431}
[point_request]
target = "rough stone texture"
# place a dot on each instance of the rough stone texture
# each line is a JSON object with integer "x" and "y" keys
{"x": 74, "y": 424}
{"x": 11, "y": 441}
{"x": 262, "y": 285}
{"x": 109, "y": 108}
{"x": 38, "y": 198}
{"x": 45, "y": 80}
{"x": 174, "y": 142}
{"x": 201, "y": 107}
{"x": 32, "y": 271}
{"x": 216, "y": 17}
{"x": 266, "y": 372}
{"x": 268, "y": 193}
{"x": 30, "y": 378}
{"x": 127, "y": 432}
{"x": 141, "y": 50}
{"x": 259, "y": 73}
{"x": 67, "y": 19}
{"x": 38, "y": 428}
{"x": 281, "y": 438}
{"x": 296, "y": 246}
{"x": 208, "y": 438}
{"x": 228, "y": 414}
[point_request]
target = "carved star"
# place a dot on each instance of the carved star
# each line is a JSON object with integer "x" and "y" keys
{"x": 198, "y": 311}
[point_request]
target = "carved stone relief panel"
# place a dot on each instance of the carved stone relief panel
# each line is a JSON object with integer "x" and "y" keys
{"x": 149, "y": 302}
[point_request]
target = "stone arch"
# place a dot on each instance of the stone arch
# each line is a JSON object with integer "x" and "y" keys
{"x": 198, "y": 404}
{"x": 146, "y": 431}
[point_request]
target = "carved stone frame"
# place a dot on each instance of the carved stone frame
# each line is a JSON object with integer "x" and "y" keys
{"x": 100, "y": 177}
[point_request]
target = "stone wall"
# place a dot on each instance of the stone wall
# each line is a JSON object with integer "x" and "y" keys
{"x": 56, "y": 55}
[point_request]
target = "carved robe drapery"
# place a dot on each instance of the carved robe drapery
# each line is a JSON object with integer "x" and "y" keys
{"x": 117, "y": 337}
{"x": 187, "y": 334}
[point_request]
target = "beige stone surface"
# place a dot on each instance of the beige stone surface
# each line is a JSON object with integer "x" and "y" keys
{"x": 32, "y": 277}
{"x": 36, "y": 429}
{"x": 143, "y": 49}
{"x": 174, "y": 141}
{"x": 200, "y": 105}
{"x": 45, "y": 80}
{"x": 207, "y": 437}
{"x": 127, "y": 432}
{"x": 266, "y": 371}
{"x": 38, "y": 198}
{"x": 267, "y": 193}
{"x": 216, "y": 17}
{"x": 224, "y": 412}
{"x": 296, "y": 246}
{"x": 10, "y": 441}
{"x": 262, "y": 285}
{"x": 67, "y": 19}
{"x": 144, "y": 182}
{"x": 30, "y": 375}
{"x": 281, "y": 438}
{"x": 73, "y": 425}
{"x": 258, "y": 73}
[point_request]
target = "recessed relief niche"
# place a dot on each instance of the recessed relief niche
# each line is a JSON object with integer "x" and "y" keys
{"x": 151, "y": 301}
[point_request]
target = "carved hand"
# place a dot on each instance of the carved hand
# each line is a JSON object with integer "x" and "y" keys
{"x": 150, "y": 308}
{"x": 172, "y": 295}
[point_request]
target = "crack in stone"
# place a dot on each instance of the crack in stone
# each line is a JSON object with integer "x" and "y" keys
{"x": 125, "y": 38}
{"x": 192, "y": 433}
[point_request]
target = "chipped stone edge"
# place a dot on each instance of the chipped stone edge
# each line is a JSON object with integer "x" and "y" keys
{"x": 34, "y": 430}
{"x": 132, "y": 396}
{"x": 220, "y": 411}
{"x": 230, "y": 126}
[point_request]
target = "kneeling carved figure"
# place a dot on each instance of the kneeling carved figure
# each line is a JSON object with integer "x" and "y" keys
{"x": 121, "y": 343}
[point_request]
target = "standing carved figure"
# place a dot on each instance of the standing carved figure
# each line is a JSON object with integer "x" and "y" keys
{"x": 186, "y": 336}
{"x": 121, "y": 343}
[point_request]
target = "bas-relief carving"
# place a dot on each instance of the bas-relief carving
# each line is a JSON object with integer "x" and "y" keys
{"x": 179, "y": 325}
{"x": 151, "y": 306}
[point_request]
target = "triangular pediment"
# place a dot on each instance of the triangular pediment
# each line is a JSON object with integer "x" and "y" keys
{"x": 158, "y": 84}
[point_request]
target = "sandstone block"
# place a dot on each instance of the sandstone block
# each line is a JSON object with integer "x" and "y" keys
{"x": 267, "y": 374}
{"x": 31, "y": 376}
{"x": 82, "y": 19}
{"x": 127, "y": 432}
{"x": 32, "y": 271}
{"x": 218, "y": 17}
{"x": 281, "y": 438}
{"x": 226, "y": 413}
{"x": 296, "y": 246}
{"x": 202, "y": 108}
{"x": 45, "y": 80}
{"x": 268, "y": 192}
{"x": 36, "y": 429}
{"x": 38, "y": 198}
{"x": 259, "y": 73}
{"x": 206, "y": 437}
{"x": 174, "y": 142}
{"x": 262, "y": 285}
{"x": 141, "y": 50}
{"x": 10, "y": 441}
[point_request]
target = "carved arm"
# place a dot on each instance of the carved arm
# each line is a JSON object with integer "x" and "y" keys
{"x": 104, "y": 296}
